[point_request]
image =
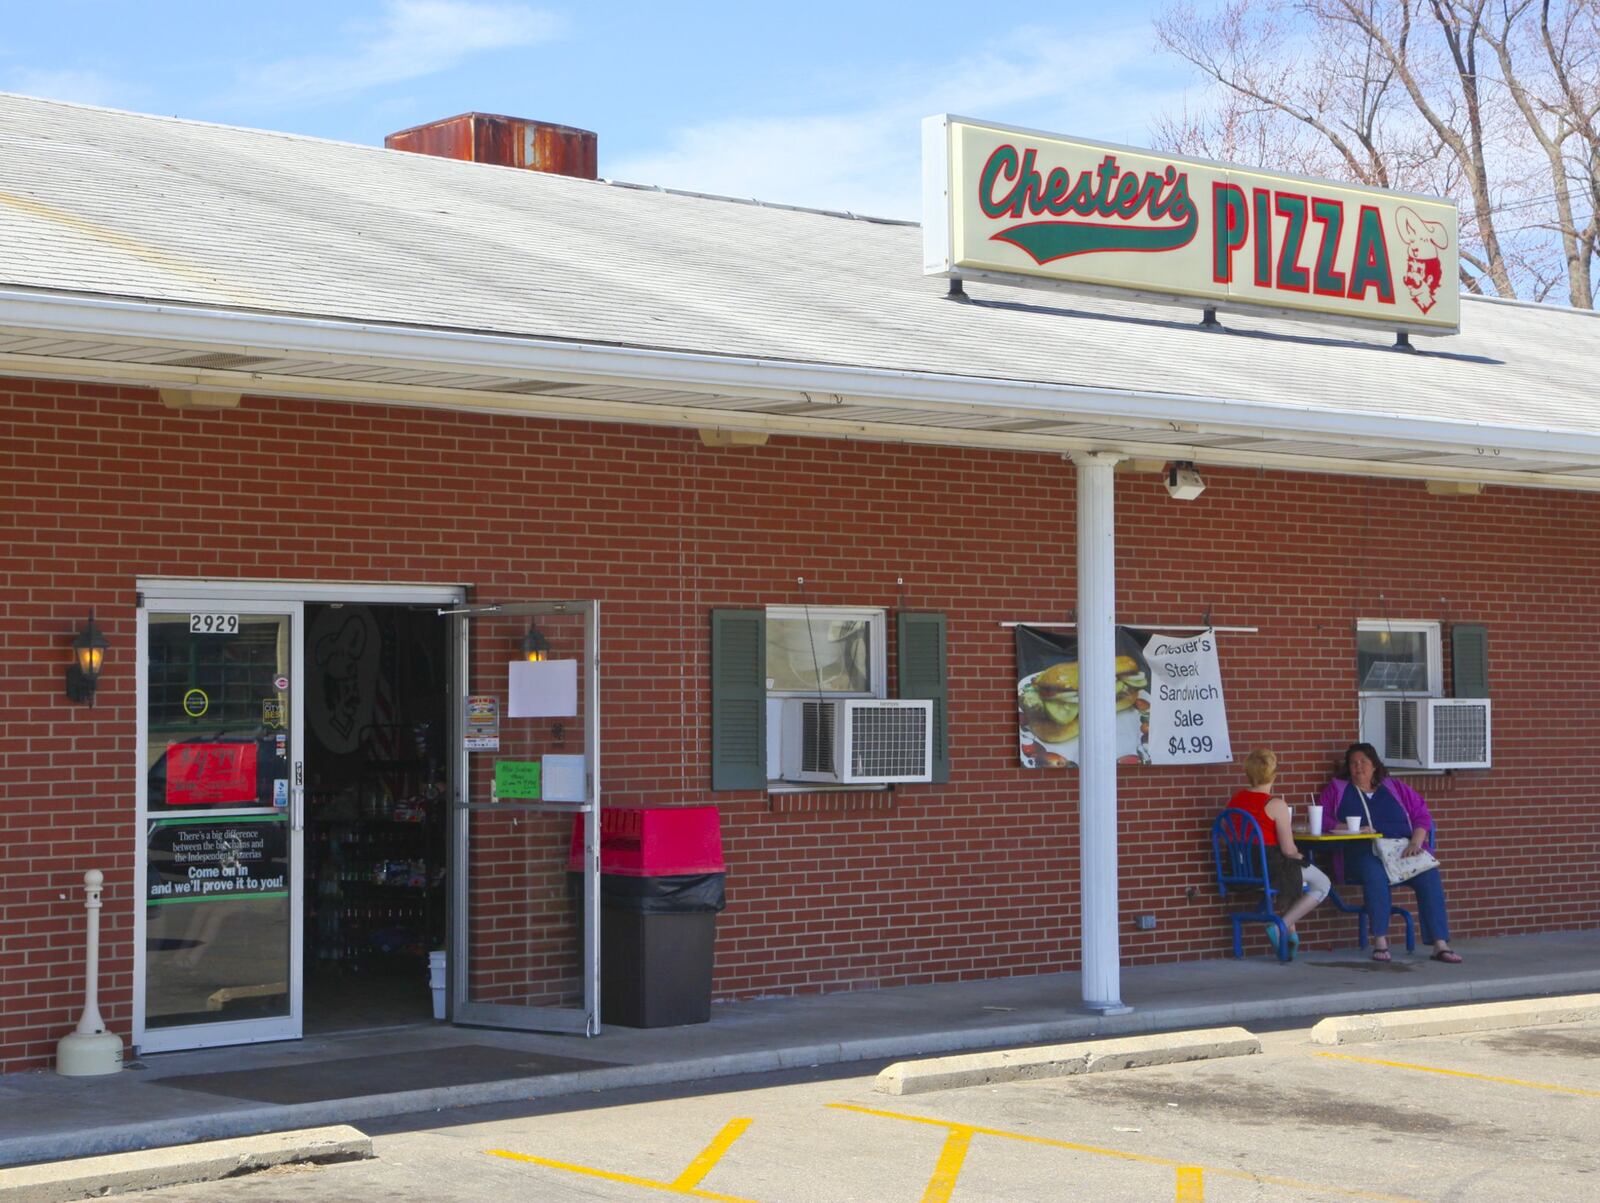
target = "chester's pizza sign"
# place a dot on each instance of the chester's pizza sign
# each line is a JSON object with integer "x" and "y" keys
{"x": 1015, "y": 203}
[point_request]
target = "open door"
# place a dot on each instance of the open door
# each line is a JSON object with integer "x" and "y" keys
{"x": 525, "y": 927}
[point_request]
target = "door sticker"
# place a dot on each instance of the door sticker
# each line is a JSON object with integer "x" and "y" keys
{"x": 213, "y": 624}
{"x": 196, "y": 703}
{"x": 211, "y": 774}
{"x": 516, "y": 779}
{"x": 481, "y": 723}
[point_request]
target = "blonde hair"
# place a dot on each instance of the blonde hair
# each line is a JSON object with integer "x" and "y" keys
{"x": 1261, "y": 766}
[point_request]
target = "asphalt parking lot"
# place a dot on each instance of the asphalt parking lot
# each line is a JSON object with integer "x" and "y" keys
{"x": 1500, "y": 1115}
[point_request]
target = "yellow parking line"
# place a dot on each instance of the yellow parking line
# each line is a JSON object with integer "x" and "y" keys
{"x": 1215, "y": 1171}
{"x": 701, "y": 1165}
{"x": 1462, "y": 1073}
{"x": 686, "y": 1183}
{"x": 943, "y": 1183}
{"x": 1191, "y": 1185}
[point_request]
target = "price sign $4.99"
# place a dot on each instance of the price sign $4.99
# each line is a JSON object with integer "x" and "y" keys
{"x": 1188, "y": 745}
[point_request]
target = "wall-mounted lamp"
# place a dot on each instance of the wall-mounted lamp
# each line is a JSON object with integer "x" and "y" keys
{"x": 535, "y": 646}
{"x": 88, "y": 657}
{"x": 1183, "y": 481}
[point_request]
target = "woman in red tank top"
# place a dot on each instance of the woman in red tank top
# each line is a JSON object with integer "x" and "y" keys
{"x": 1301, "y": 884}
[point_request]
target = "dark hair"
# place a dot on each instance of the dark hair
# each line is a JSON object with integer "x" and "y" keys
{"x": 1379, "y": 769}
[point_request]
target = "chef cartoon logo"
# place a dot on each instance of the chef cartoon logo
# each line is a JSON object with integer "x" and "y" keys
{"x": 1424, "y": 240}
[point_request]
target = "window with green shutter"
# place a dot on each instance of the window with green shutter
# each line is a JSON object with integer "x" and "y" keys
{"x": 762, "y": 659}
{"x": 923, "y": 675}
{"x": 1469, "y": 659}
{"x": 738, "y": 699}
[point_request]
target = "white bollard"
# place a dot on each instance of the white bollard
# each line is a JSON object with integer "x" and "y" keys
{"x": 90, "y": 1049}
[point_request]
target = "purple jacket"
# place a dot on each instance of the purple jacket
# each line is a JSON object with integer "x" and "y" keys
{"x": 1410, "y": 801}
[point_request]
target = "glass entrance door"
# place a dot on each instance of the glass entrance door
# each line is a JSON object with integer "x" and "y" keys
{"x": 221, "y": 812}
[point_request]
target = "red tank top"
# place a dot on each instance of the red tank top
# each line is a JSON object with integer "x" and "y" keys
{"x": 1254, "y": 803}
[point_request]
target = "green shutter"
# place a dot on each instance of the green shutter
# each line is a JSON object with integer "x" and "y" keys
{"x": 738, "y": 699}
{"x": 922, "y": 675}
{"x": 1469, "y": 659}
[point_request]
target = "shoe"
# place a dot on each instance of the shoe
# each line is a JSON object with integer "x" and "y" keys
{"x": 1272, "y": 935}
{"x": 1294, "y": 945}
{"x": 1381, "y": 954}
{"x": 1448, "y": 956}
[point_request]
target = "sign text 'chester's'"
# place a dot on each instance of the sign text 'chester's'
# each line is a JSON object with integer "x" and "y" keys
{"x": 1014, "y": 202}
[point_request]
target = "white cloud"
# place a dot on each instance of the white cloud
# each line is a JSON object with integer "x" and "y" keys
{"x": 83, "y": 87}
{"x": 413, "y": 38}
{"x": 867, "y": 160}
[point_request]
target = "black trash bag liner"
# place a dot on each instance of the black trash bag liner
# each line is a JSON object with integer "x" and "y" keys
{"x": 678, "y": 894}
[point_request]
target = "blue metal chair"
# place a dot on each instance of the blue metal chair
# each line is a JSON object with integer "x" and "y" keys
{"x": 1241, "y": 854}
{"x": 1360, "y": 912}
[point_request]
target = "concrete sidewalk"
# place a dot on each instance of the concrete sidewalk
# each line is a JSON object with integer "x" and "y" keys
{"x": 174, "y": 1098}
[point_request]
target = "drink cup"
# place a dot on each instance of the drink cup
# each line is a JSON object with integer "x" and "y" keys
{"x": 1314, "y": 819}
{"x": 1353, "y": 823}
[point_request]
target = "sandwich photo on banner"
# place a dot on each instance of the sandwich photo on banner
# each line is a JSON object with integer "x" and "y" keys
{"x": 1047, "y": 698}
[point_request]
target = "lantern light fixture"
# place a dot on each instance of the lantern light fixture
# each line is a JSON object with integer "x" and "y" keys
{"x": 535, "y": 647}
{"x": 89, "y": 648}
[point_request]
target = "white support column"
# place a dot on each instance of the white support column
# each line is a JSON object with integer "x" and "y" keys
{"x": 1097, "y": 727}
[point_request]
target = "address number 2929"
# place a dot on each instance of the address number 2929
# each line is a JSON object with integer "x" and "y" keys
{"x": 213, "y": 624}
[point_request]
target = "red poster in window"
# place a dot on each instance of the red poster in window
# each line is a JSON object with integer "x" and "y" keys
{"x": 211, "y": 774}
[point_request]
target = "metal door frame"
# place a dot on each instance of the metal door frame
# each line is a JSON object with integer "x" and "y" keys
{"x": 507, "y": 1015}
{"x": 247, "y": 1031}
{"x": 248, "y": 597}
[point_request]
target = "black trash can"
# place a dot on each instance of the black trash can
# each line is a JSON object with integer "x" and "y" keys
{"x": 657, "y": 925}
{"x": 656, "y": 939}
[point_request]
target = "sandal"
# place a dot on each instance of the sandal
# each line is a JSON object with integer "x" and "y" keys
{"x": 1381, "y": 954}
{"x": 1447, "y": 955}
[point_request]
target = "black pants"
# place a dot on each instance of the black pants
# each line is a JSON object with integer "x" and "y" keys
{"x": 1286, "y": 876}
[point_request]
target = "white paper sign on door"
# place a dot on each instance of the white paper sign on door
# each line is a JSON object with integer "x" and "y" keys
{"x": 543, "y": 689}
{"x": 1188, "y": 721}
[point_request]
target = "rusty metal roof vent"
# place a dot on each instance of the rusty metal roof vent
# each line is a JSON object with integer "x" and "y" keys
{"x": 505, "y": 142}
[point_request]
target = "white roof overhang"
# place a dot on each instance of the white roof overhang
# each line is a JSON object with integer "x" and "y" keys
{"x": 80, "y": 337}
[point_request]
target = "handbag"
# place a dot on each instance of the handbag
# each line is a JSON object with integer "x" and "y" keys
{"x": 1398, "y": 866}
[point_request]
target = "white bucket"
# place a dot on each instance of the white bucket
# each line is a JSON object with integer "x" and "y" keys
{"x": 436, "y": 968}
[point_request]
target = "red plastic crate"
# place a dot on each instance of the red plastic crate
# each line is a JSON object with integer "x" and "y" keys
{"x": 654, "y": 842}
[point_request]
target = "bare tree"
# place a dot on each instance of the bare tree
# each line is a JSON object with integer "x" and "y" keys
{"x": 1493, "y": 102}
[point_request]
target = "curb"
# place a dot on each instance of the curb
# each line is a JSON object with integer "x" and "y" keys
{"x": 217, "y": 1122}
{"x": 1063, "y": 1060}
{"x": 176, "y": 1165}
{"x": 1443, "y": 1021}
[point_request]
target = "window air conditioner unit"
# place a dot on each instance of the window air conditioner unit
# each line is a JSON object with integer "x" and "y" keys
{"x": 857, "y": 741}
{"x": 1428, "y": 733}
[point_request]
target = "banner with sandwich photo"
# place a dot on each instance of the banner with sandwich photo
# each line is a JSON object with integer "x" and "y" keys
{"x": 1181, "y": 694}
{"x": 1047, "y": 698}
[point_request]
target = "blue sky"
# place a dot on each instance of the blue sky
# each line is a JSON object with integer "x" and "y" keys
{"x": 815, "y": 104}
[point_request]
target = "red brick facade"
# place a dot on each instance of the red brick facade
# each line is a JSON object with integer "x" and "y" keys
{"x": 973, "y": 879}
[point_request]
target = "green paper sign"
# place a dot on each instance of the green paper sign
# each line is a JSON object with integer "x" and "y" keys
{"x": 516, "y": 779}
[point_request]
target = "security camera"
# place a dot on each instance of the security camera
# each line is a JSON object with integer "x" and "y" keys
{"x": 1183, "y": 481}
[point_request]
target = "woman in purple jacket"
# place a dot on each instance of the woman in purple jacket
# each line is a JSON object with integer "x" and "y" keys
{"x": 1361, "y": 788}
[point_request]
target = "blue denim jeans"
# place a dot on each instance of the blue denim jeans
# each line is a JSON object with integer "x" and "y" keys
{"x": 1362, "y": 865}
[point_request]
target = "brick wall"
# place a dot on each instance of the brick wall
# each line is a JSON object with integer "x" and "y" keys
{"x": 977, "y": 878}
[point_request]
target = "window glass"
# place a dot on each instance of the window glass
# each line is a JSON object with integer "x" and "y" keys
{"x": 819, "y": 654}
{"x": 216, "y": 709}
{"x": 1392, "y": 661}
